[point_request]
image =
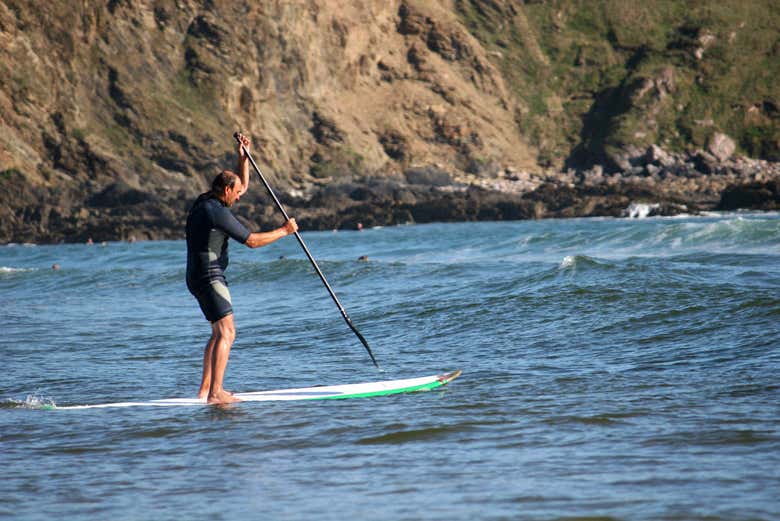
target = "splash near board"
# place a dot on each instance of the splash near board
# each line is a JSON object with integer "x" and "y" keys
{"x": 332, "y": 392}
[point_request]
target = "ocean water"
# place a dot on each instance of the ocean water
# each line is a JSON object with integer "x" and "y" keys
{"x": 622, "y": 369}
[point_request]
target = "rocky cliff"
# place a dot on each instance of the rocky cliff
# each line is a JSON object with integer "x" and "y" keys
{"x": 116, "y": 114}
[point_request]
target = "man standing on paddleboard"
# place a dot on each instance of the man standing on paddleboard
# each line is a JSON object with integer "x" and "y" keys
{"x": 209, "y": 225}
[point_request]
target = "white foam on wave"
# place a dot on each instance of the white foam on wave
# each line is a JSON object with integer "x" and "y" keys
{"x": 568, "y": 262}
{"x": 8, "y": 269}
{"x": 639, "y": 210}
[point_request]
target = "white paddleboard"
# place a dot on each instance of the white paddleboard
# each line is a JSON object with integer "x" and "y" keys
{"x": 331, "y": 392}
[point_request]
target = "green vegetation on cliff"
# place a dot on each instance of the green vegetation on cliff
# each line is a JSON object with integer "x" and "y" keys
{"x": 597, "y": 77}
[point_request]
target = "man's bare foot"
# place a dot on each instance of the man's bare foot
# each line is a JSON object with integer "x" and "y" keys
{"x": 202, "y": 395}
{"x": 222, "y": 397}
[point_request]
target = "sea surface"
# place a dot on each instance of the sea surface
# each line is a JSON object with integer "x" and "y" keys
{"x": 622, "y": 369}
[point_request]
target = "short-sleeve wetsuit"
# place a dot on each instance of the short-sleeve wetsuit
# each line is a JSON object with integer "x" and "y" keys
{"x": 209, "y": 225}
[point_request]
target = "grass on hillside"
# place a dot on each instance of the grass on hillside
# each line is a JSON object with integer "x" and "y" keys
{"x": 592, "y": 55}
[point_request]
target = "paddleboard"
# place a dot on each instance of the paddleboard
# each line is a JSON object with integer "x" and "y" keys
{"x": 332, "y": 392}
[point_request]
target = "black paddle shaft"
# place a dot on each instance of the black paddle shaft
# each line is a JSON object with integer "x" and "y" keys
{"x": 308, "y": 254}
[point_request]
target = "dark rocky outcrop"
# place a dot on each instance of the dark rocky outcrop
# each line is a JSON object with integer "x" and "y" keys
{"x": 756, "y": 195}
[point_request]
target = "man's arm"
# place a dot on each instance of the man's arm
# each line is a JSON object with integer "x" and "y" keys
{"x": 259, "y": 239}
{"x": 242, "y": 167}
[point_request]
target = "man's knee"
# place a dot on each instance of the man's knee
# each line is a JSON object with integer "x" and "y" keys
{"x": 225, "y": 327}
{"x": 230, "y": 334}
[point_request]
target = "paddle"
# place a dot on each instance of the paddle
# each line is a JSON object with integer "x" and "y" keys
{"x": 306, "y": 250}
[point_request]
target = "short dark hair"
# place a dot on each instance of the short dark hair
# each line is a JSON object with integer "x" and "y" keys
{"x": 225, "y": 179}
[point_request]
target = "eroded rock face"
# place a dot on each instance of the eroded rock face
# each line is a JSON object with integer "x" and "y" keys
{"x": 120, "y": 78}
{"x": 148, "y": 95}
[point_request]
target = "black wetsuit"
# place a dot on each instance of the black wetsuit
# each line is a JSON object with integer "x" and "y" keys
{"x": 209, "y": 225}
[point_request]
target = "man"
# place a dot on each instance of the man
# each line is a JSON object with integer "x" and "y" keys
{"x": 209, "y": 225}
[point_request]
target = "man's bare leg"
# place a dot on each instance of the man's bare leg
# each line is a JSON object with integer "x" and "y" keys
{"x": 208, "y": 355}
{"x": 225, "y": 334}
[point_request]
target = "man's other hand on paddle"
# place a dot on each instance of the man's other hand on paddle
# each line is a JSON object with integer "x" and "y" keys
{"x": 242, "y": 168}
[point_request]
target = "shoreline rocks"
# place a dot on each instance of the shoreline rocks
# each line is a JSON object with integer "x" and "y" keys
{"x": 657, "y": 183}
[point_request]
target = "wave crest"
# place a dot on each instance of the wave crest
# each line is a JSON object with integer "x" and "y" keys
{"x": 572, "y": 262}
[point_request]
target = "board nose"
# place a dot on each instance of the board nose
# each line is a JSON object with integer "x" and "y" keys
{"x": 448, "y": 377}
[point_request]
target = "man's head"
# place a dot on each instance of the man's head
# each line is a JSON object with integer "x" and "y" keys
{"x": 227, "y": 187}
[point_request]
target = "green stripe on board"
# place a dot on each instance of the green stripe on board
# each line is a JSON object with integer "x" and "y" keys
{"x": 384, "y": 392}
